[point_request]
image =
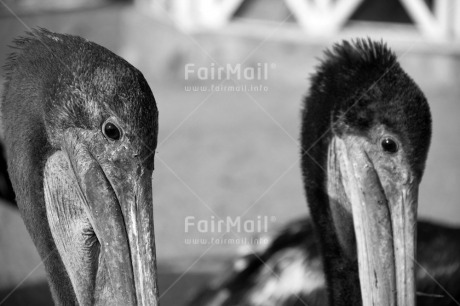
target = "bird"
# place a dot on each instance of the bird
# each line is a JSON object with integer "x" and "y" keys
{"x": 80, "y": 132}
{"x": 365, "y": 136}
{"x": 288, "y": 270}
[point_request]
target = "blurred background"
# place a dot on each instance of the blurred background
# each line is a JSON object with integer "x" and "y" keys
{"x": 228, "y": 147}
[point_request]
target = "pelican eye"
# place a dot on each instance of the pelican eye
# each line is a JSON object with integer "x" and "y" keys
{"x": 111, "y": 130}
{"x": 389, "y": 145}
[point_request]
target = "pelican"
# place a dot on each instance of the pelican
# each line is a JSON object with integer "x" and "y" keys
{"x": 366, "y": 130}
{"x": 81, "y": 129}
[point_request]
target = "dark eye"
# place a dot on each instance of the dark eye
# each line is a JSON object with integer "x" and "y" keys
{"x": 111, "y": 131}
{"x": 389, "y": 145}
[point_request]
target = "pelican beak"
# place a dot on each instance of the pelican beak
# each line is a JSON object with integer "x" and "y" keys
{"x": 100, "y": 212}
{"x": 384, "y": 209}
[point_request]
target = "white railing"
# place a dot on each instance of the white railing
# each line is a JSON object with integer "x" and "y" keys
{"x": 320, "y": 18}
{"x": 193, "y": 15}
{"x": 315, "y": 17}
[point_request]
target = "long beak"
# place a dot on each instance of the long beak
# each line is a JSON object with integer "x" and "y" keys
{"x": 101, "y": 217}
{"x": 124, "y": 228}
{"x": 385, "y": 229}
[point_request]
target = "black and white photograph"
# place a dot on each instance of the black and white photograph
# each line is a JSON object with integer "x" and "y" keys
{"x": 230, "y": 153}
